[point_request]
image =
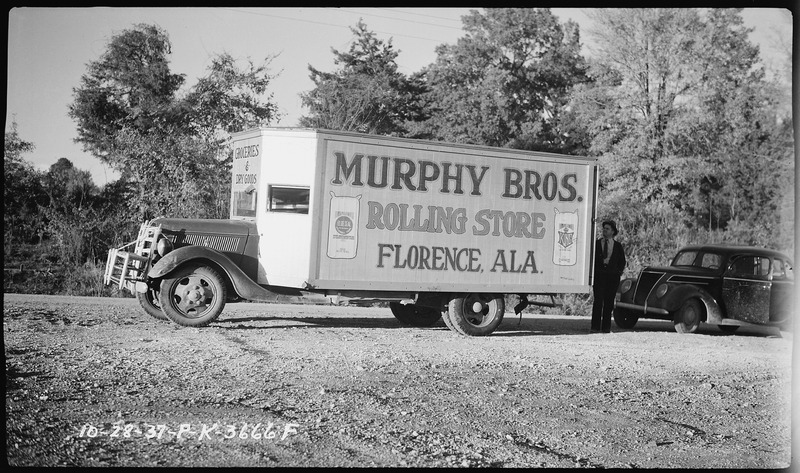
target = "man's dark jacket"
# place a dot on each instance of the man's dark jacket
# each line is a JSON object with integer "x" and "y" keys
{"x": 615, "y": 265}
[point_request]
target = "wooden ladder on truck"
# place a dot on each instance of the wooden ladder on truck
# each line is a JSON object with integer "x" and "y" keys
{"x": 123, "y": 266}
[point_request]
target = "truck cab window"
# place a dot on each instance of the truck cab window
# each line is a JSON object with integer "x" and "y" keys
{"x": 289, "y": 199}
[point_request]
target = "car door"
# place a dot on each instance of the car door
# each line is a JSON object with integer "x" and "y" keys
{"x": 746, "y": 289}
{"x": 781, "y": 306}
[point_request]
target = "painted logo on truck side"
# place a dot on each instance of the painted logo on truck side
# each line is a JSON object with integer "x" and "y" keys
{"x": 343, "y": 220}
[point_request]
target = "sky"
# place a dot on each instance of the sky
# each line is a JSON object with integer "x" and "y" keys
{"x": 49, "y": 49}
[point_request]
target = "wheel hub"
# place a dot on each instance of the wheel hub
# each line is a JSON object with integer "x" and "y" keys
{"x": 194, "y": 295}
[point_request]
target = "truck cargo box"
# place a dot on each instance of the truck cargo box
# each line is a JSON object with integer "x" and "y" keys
{"x": 347, "y": 211}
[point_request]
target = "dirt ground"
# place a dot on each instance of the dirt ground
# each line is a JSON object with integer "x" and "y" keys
{"x": 97, "y": 382}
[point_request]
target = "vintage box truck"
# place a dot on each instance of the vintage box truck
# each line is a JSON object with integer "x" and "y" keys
{"x": 433, "y": 229}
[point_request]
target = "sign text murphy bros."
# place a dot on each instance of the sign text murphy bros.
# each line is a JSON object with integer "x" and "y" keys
{"x": 408, "y": 194}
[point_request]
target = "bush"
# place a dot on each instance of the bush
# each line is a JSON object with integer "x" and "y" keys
{"x": 87, "y": 280}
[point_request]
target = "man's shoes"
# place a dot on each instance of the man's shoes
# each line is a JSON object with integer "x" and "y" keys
{"x": 594, "y": 331}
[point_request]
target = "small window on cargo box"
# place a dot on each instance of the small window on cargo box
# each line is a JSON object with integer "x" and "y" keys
{"x": 289, "y": 199}
{"x": 244, "y": 202}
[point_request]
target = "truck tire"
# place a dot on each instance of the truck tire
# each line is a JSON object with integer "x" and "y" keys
{"x": 193, "y": 295}
{"x": 414, "y": 315}
{"x": 476, "y": 315}
{"x": 624, "y": 318}
{"x": 688, "y": 317}
{"x": 149, "y": 302}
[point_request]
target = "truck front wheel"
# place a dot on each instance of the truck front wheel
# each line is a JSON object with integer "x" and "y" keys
{"x": 414, "y": 315}
{"x": 149, "y": 302}
{"x": 476, "y": 315}
{"x": 193, "y": 295}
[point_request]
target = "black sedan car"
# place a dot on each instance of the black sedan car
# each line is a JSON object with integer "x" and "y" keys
{"x": 729, "y": 286}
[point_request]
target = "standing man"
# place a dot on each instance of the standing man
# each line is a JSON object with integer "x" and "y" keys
{"x": 609, "y": 262}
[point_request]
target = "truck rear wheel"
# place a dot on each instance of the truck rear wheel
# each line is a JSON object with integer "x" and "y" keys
{"x": 414, "y": 315}
{"x": 149, "y": 302}
{"x": 193, "y": 295}
{"x": 476, "y": 315}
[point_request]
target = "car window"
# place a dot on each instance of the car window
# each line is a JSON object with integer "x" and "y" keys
{"x": 782, "y": 270}
{"x": 690, "y": 258}
{"x": 763, "y": 267}
{"x": 777, "y": 270}
{"x": 749, "y": 267}
{"x": 684, "y": 258}
{"x": 711, "y": 260}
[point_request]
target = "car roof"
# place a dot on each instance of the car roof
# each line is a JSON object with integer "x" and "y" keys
{"x": 735, "y": 249}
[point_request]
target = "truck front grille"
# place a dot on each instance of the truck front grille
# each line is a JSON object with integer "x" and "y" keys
{"x": 220, "y": 243}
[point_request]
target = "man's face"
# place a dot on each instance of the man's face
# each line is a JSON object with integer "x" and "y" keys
{"x": 608, "y": 232}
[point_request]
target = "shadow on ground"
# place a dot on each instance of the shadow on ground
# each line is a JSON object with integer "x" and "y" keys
{"x": 512, "y": 326}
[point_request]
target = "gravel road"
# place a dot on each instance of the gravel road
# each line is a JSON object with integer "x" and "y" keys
{"x": 97, "y": 382}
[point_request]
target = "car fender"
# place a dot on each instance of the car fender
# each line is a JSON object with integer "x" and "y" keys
{"x": 627, "y": 296}
{"x": 680, "y": 293}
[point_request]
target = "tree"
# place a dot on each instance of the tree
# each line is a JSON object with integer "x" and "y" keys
{"x": 506, "y": 81}
{"x": 229, "y": 99}
{"x": 169, "y": 148}
{"x": 366, "y": 94}
{"x": 130, "y": 86}
{"x": 22, "y": 192}
{"x": 67, "y": 186}
{"x": 682, "y": 119}
{"x": 187, "y": 182}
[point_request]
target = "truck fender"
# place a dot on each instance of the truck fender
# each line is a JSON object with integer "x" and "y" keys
{"x": 244, "y": 287}
{"x": 680, "y": 293}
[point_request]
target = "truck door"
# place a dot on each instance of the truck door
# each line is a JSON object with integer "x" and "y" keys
{"x": 746, "y": 289}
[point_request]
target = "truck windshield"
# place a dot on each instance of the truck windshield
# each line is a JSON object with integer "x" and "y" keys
{"x": 244, "y": 202}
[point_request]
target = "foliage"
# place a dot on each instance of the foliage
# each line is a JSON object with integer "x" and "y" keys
{"x": 170, "y": 150}
{"x": 23, "y": 193}
{"x": 366, "y": 94}
{"x": 36, "y": 269}
{"x": 129, "y": 86}
{"x": 685, "y": 127}
{"x": 228, "y": 99}
{"x": 187, "y": 182}
{"x": 505, "y": 82}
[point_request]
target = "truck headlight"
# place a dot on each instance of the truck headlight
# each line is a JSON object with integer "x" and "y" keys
{"x": 163, "y": 246}
{"x": 662, "y": 289}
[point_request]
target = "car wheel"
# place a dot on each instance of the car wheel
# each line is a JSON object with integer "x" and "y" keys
{"x": 476, "y": 315}
{"x": 729, "y": 328}
{"x": 193, "y": 295}
{"x": 414, "y": 315}
{"x": 624, "y": 318}
{"x": 149, "y": 302}
{"x": 688, "y": 317}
